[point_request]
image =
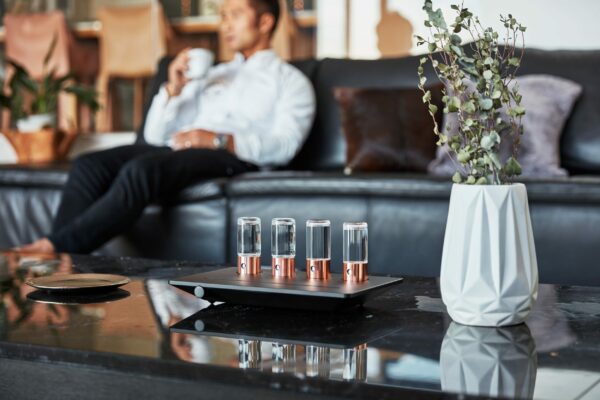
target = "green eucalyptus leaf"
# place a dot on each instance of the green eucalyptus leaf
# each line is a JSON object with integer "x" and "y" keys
{"x": 487, "y": 142}
{"x": 455, "y": 39}
{"x": 463, "y": 157}
{"x": 512, "y": 167}
{"x": 454, "y": 104}
{"x": 495, "y": 160}
{"x": 427, "y": 96}
{"x": 514, "y": 61}
{"x": 457, "y": 50}
{"x": 486, "y": 104}
{"x": 469, "y": 107}
{"x": 457, "y": 178}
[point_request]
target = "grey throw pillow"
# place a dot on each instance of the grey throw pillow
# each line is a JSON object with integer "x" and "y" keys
{"x": 548, "y": 101}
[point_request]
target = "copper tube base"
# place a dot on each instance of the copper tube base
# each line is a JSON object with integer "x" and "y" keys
{"x": 318, "y": 269}
{"x": 248, "y": 265}
{"x": 283, "y": 267}
{"x": 355, "y": 272}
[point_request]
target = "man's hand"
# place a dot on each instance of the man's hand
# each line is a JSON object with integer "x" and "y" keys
{"x": 200, "y": 139}
{"x": 177, "y": 70}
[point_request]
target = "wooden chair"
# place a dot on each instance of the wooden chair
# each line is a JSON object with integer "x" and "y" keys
{"x": 132, "y": 40}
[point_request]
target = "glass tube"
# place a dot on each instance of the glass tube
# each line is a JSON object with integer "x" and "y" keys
{"x": 248, "y": 236}
{"x": 249, "y": 354}
{"x": 283, "y": 237}
{"x": 283, "y": 247}
{"x": 318, "y": 249}
{"x": 355, "y": 363}
{"x": 318, "y": 361}
{"x": 248, "y": 246}
{"x": 356, "y": 241}
{"x": 356, "y": 251}
{"x": 318, "y": 239}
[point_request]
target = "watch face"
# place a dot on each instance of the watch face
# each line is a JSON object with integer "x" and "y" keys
{"x": 220, "y": 141}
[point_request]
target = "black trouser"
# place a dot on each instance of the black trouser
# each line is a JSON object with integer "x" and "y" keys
{"x": 107, "y": 191}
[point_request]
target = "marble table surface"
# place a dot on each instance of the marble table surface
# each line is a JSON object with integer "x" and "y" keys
{"x": 150, "y": 339}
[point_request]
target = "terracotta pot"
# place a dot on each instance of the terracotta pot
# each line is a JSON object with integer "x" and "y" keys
{"x": 45, "y": 145}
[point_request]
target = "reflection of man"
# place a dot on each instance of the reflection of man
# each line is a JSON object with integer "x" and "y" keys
{"x": 253, "y": 111}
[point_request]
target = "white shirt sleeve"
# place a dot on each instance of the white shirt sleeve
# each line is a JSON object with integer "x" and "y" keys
{"x": 293, "y": 116}
{"x": 168, "y": 116}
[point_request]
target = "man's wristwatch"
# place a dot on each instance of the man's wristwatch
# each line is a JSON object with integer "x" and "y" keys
{"x": 220, "y": 141}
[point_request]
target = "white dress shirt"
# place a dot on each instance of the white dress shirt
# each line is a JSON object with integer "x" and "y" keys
{"x": 265, "y": 103}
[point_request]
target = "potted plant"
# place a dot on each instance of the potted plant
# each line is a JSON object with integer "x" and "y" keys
{"x": 33, "y": 106}
{"x": 489, "y": 269}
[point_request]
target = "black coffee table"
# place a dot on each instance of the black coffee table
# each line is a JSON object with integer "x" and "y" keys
{"x": 155, "y": 341}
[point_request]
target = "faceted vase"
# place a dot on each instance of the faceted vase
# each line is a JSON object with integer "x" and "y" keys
{"x": 489, "y": 362}
{"x": 489, "y": 271}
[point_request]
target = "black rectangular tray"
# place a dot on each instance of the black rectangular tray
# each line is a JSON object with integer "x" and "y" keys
{"x": 225, "y": 285}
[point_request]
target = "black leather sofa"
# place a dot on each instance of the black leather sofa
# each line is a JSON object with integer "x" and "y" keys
{"x": 406, "y": 212}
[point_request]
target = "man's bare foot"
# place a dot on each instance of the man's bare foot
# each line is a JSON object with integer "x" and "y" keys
{"x": 39, "y": 246}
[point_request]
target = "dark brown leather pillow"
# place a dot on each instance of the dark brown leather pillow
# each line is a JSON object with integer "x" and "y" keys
{"x": 387, "y": 129}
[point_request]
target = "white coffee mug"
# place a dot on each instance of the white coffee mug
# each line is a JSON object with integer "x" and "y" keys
{"x": 200, "y": 60}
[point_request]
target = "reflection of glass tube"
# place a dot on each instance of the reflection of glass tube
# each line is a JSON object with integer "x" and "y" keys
{"x": 248, "y": 246}
{"x": 283, "y": 247}
{"x": 355, "y": 363}
{"x": 284, "y": 358}
{"x": 318, "y": 249}
{"x": 356, "y": 252}
{"x": 249, "y": 354}
{"x": 318, "y": 361}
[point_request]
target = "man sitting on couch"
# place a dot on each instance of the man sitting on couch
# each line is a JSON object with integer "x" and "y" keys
{"x": 253, "y": 111}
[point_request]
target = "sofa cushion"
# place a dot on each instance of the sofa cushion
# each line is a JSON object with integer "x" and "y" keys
{"x": 387, "y": 129}
{"x": 548, "y": 101}
{"x": 580, "y": 142}
{"x": 325, "y": 148}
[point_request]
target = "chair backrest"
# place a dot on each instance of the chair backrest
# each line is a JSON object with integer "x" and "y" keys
{"x": 28, "y": 39}
{"x": 132, "y": 40}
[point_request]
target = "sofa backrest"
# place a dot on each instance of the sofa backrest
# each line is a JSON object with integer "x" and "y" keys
{"x": 580, "y": 144}
{"x": 325, "y": 147}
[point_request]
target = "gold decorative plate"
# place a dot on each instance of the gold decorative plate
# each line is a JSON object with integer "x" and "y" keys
{"x": 78, "y": 282}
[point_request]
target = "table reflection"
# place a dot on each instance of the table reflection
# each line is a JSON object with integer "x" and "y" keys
{"x": 496, "y": 362}
{"x": 16, "y": 313}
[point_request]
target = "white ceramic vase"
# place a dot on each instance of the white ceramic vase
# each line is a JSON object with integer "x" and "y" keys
{"x": 489, "y": 362}
{"x": 489, "y": 271}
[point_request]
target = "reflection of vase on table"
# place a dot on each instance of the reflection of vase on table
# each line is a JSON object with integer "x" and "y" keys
{"x": 496, "y": 362}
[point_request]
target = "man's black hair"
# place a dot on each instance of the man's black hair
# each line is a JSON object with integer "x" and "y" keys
{"x": 268, "y": 7}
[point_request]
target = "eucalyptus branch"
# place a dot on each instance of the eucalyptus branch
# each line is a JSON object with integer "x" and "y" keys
{"x": 478, "y": 86}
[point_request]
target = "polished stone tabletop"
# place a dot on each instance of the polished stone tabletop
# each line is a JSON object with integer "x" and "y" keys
{"x": 150, "y": 339}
